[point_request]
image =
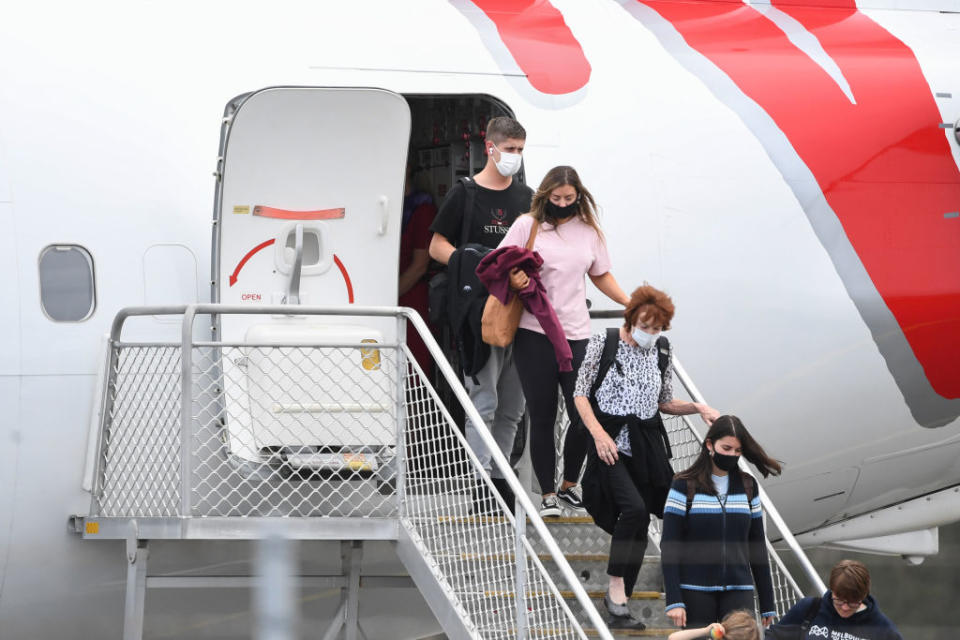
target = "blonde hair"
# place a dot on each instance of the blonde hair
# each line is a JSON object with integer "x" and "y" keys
{"x": 740, "y": 625}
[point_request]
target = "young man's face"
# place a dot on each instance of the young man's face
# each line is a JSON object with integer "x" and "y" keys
{"x": 510, "y": 145}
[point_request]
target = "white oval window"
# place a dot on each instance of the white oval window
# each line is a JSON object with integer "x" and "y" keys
{"x": 67, "y": 286}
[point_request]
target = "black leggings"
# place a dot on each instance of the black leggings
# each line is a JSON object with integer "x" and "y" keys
{"x": 539, "y": 376}
{"x": 705, "y": 607}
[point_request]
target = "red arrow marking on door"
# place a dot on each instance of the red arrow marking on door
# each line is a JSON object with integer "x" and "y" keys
{"x": 267, "y": 243}
{"x": 243, "y": 261}
{"x": 346, "y": 278}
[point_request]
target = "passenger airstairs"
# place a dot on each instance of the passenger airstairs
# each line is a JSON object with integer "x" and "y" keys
{"x": 316, "y": 428}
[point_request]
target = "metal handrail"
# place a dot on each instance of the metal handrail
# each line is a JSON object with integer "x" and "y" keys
{"x": 772, "y": 512}
{"x": 525, "y": 504}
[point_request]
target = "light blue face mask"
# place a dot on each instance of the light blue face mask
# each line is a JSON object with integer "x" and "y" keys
{"x": 643, "y": 339}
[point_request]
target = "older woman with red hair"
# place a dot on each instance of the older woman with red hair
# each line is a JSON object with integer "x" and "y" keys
{"x": 624, "y": 383}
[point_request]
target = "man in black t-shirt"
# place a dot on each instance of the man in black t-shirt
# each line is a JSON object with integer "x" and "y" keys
{"x": 498, "y": 200}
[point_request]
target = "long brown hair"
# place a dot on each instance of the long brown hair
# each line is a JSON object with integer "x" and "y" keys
{"x": 699, "y": 472}
{"x": 558, "y": 177}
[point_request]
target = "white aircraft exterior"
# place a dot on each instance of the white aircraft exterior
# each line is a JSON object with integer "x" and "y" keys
{"x": 776, "y": 168}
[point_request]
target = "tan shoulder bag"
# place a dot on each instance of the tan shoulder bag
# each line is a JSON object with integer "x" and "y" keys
{"x": 500, "y": 321}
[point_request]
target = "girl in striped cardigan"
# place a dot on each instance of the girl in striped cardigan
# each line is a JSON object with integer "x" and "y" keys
{"x": 713, "y": 545}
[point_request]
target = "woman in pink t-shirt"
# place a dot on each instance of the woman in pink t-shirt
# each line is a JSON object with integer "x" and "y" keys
{"x": 572, "y": 246}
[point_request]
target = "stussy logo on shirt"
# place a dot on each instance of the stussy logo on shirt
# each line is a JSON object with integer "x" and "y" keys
{"x": 498, "y": 222}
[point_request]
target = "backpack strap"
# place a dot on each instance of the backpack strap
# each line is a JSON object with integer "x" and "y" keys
{"x": 749, "y": 486}
{"x": 663, "y": 354}
{"x": 607, "y": 359}
{"x": 811, "y": 614}
{"x": 663, "y": 360}
{"x": 470, "y": 187}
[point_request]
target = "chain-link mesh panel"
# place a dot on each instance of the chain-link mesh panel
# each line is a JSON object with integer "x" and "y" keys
{"x": 453, "y": 512}
{"x": 139, "y": 455}
{"x": 294, "y": 431}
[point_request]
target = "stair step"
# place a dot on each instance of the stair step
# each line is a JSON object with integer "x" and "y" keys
{"x": 569, "y": 595}
{"x": 592, "y": 572}
{"x": 660, "y": 633}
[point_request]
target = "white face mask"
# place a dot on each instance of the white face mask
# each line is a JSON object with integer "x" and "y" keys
{"x": 509, "y": 163}
{"x": 642, "y": 338}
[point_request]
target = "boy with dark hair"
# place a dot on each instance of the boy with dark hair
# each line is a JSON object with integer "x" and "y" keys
{"x": 495, "y": 200}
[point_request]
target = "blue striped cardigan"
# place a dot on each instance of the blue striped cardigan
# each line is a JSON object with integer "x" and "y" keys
{"x": 714, "y": 546}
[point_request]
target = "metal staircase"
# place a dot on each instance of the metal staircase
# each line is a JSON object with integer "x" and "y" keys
{"x": 231, "y": 441}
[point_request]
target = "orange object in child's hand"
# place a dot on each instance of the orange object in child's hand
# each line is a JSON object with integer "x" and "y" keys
{"x": 716, "y": 632}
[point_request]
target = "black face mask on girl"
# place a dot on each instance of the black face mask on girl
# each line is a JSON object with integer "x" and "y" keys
{"x": 725, "y": 462}
{"x": 557, "y": 212}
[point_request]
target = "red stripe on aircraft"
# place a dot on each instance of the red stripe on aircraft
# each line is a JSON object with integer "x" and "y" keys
{"x": 833, "y": 4}
{"x": 883, "y": 164}
{"x": 540, "y": 42}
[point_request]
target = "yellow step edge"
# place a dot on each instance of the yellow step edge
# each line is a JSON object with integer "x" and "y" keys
{"x": 568, "y": 595}
{"x": 544, "y": 557}
{"x": 502, "y": 519}
{"x": 647, "y": 633}
{"x": 590, "y": 631}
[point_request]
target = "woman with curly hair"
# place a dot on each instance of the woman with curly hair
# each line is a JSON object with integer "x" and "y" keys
{"x": 624, "y": 383}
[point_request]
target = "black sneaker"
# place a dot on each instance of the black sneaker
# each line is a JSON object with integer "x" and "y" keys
{"x": 572, "y": 496}
{"x": 550, "y": 507}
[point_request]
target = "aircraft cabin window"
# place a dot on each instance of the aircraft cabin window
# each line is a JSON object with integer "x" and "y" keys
{"x": 67, "y": 286}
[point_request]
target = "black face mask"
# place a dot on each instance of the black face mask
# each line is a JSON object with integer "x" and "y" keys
{"x": 557, "y": 212}
{"x": 725, "y": 462}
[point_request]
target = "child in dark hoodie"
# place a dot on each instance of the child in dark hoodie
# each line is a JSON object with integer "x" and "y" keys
{"x": 847, "y": 611}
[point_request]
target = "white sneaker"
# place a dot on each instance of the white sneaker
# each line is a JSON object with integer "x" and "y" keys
{"x": 550, "y": 507}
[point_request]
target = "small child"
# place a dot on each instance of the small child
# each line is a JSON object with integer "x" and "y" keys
{"x": 737, "y": 625}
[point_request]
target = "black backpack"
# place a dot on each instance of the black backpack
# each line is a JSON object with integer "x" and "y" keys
{"x": 457, "y": 297}
{"x": 438, "y": 297}
{"x": 794, "y": 631}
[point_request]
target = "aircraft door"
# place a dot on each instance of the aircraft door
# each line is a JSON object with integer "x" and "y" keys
{"x": 309, "y": 213}
{"x": 318, "y": 168}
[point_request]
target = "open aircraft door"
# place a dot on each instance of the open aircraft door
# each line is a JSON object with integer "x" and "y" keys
{"x": 329, "y": 160}
{"x": 309, "y": 213}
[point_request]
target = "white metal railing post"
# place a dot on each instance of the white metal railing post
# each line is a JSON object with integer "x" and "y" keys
{"x": 399, "y": 457}
{"x": 520, "y": 571}
{"x": 186, "y": 410}
{"x": 768, "y": 506}
{"x": 106, "y": 409}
